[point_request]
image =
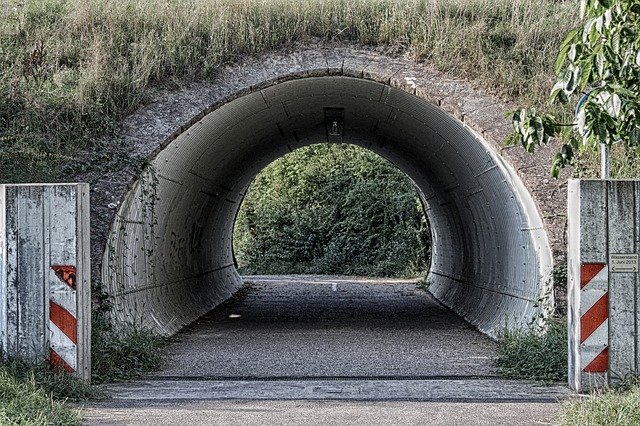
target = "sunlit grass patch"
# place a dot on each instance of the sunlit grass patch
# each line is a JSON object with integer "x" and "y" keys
{"x": 613, "y": 407}
{"x": 25, "y": 401}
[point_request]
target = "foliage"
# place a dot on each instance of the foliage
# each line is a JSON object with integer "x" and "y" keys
{"x": 612, "y": 407}
{"x": 23, "y": 401}
{"x": 70, "y": 69}
{"x": 122, "y": 353}
{"x": 332, "y": 209}
{"x": 534, "y": 355}
{"x": 599, "y": 67}
{"x": 54, "y": 382}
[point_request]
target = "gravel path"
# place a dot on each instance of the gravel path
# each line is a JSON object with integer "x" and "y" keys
{"x": 319, "y": 350}
{"x": 318, "y": 326}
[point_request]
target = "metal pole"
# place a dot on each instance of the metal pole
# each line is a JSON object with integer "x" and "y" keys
{"x": 604, "y": 161}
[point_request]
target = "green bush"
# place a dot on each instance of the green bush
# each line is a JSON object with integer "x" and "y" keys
{"x": 534, "y": 355}
{"x": 329, "y": 209}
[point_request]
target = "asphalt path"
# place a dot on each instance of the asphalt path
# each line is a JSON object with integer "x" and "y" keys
{"x": 329, "y": 350}
{"x": 314, "y": 326}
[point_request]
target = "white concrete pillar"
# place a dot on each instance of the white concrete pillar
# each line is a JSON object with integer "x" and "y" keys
{"x": 45, "y": 287}
{"x": 603, "y": 288}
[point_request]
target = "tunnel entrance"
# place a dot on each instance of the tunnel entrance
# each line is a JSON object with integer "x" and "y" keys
{"x": 332, "y": 209}
{"x": 169, "y": 256}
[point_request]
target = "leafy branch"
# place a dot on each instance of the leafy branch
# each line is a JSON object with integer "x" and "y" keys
{"x": 598, "y": 67}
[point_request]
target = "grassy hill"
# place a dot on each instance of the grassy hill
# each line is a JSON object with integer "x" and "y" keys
{"x": 70, "y": 69}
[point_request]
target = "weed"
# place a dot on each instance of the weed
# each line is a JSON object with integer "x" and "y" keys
{"x": 531, "y": 354}
{"x": 611, "y": 407}
{"x": 424, "y": 284}
{"x": 124, "y": 352}
{"x": 23, "y": 400}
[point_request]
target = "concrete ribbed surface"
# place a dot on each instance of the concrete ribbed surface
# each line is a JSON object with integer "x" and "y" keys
{"x": 169, "y": 256}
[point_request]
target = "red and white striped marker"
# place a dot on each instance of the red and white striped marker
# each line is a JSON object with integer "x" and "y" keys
{"x": 594, "y": 317}
{"x": 63, "y": 323}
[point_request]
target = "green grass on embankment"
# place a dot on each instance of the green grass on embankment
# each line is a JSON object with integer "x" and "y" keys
{"x": 70, "y": 69}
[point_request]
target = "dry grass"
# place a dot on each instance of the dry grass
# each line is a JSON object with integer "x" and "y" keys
{"x": 612, "y": 407}
{"x": 72, "y": 68}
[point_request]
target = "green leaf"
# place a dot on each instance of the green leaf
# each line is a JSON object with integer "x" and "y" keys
{"x": 585, "y": 75}
{"x": 615, "y": 42}
{"x": 599, "y": 63}
{"x": 567, "y": 44}
{"x": 615, "y": 104}
{"x": 601, "y": 131}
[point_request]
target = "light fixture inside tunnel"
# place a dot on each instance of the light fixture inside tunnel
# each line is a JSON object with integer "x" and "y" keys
{"x": 334, "y": 123}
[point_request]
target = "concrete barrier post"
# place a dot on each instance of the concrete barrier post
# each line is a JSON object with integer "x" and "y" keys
{"x": 604, "y": 285}
{"x": 45, "y": 289}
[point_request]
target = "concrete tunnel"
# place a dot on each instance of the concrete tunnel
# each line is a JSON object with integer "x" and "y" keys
{"x": 169, "y": 258}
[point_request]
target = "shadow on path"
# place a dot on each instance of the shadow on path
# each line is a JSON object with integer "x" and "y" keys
{"x": 317, "y": 326}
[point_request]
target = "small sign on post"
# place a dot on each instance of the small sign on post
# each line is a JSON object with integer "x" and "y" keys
{"x": 623, "y": 262}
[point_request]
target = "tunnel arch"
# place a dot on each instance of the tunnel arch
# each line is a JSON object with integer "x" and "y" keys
{"x": 168, "y": 258}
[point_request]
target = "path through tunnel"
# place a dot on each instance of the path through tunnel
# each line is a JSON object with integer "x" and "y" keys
{"x": 169, "y": 259}
{"x": 281, "y": 327}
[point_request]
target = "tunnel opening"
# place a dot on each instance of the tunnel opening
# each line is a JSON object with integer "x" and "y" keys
{"x": 169, "y": 257}
{"x": 332, "y": 209}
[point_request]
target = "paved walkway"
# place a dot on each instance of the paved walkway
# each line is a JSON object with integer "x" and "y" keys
{"x": 329, "y": 350}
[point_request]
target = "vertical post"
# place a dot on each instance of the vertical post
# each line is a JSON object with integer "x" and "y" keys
{"x": 3, "y": 275}
{"x": 84, "y": 283}
{"x": 622, "y": 219}
{"x": 588, "y": 284}
{"x": 44, "y": 274}
{"x": 604, "y": 161}
{"x": 604, "y": 282}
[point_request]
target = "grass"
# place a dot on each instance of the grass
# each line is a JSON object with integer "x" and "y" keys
{"x": 534, "y": 355}
{"x": 613, "y": 407}
{"x": 28, "y": 396}
{"x": 34, "y": 394}
{"x": 70, "y": 69}
{"x": 58, "y": 384}
{"x": 123, "y": 353}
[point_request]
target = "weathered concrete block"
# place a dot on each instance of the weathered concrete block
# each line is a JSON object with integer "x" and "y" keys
{"x": 603, "y": 246}
{"x": 45, "y": 288}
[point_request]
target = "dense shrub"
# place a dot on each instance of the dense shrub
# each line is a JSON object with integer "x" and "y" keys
{"x": 332, "y": 209}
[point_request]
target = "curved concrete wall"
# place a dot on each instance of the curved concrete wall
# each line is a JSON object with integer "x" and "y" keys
{"x": 169, "y": 254}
